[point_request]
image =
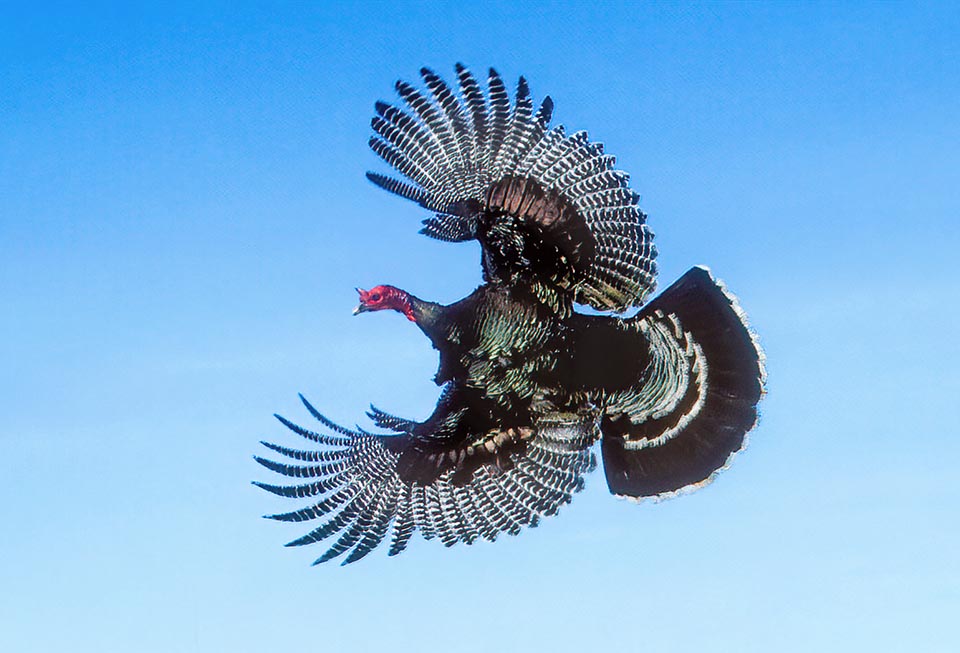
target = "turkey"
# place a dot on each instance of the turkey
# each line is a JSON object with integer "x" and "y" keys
{"x": 528, "y": 383}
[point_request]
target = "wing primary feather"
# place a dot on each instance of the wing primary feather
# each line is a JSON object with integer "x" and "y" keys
{"x": 375, "y": 528}
{"x": 302, "y": 491}
{"x": 307, "y": 456}
{"x": 403, "y": 525}
{"x": 310, "y": 435}
{"x": 499, "y": 115}
{"x": 297, "y": 471}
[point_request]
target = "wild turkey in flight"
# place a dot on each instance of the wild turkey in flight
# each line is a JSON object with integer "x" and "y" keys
{"x": 529, "y": 384}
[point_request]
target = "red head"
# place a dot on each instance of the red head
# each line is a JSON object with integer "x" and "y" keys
{"x": 381, "y": 298}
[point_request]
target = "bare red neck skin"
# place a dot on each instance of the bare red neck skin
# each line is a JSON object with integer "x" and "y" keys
{"x": 400, "y": 302}
{"x": 381, "y": 298}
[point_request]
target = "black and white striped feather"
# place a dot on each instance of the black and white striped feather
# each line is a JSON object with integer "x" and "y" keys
{"x": 453, "y": 147}
{"x": 355, "y": 491}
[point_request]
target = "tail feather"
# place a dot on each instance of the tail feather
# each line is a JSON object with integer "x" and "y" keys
{"x": 704, "y": 419}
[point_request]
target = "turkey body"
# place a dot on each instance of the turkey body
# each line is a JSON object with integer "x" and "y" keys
{"x": 512, "y": 362}
{"x": 500, "y": 340}
{"x": 528, "y": 382}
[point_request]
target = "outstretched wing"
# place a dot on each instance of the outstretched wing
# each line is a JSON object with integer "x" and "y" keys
{"x": 547, "y": 207}
{"x": 678, "y": 385}
{"x": 354, "y": 483}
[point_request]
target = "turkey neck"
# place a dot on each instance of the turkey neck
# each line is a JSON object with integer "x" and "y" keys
{"x": 427, "y": 315}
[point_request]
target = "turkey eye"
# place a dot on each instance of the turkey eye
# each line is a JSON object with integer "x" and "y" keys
{"x": 375, "y": 297}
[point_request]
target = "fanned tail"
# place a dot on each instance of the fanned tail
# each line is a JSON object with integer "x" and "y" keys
{"x": 687, "y": 394}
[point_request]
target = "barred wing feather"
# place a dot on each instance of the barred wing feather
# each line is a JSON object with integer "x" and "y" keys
{"x": 477, "y": 159}
{"x": 356, "y": 492}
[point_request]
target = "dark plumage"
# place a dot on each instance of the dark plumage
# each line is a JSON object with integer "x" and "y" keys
{"x": 550, "y": 210}
{"x": 528, "y": 383}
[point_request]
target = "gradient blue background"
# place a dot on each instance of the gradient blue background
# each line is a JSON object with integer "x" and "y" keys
{"x": 183, "y": 217}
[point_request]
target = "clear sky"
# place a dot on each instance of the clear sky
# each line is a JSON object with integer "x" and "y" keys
{"x": 184, "y": 216}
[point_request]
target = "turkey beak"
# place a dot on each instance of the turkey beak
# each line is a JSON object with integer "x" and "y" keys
{"x": 360, "y": 307}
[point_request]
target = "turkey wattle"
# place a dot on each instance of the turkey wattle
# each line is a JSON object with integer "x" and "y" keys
{"x": 529, "y": 384}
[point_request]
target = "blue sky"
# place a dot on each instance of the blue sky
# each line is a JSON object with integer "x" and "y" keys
{"x": 184, "y": 216}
